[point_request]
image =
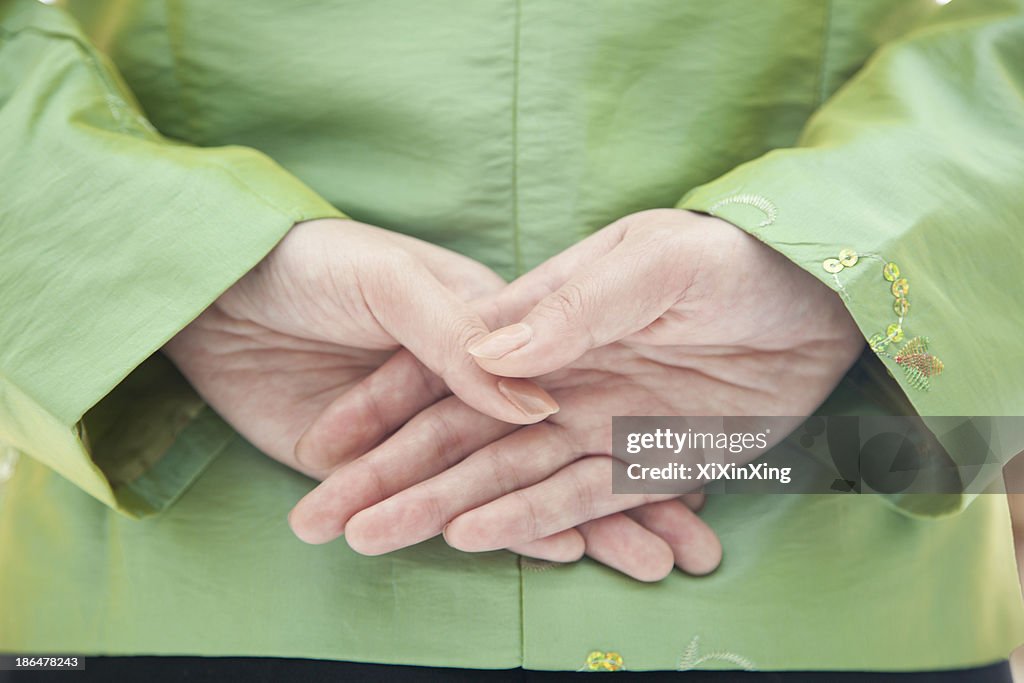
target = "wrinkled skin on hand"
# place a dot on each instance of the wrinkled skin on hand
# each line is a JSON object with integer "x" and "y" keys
{"x": 278, "y": 353}
{"x": 663, "y": 312}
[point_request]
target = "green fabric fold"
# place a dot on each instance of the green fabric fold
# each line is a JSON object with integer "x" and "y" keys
{"x": 112, "y": 239}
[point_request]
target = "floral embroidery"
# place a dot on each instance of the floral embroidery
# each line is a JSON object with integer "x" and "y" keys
{"x": 692, "y": 657}
{"x": 603, "y": 661}
{"x": 754, "y": 200}
{"x": 917, "y": 363}
{"x": 919, "y": 366}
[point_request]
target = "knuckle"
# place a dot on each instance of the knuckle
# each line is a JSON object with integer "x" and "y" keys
{"x": 373, "y": 414}
{"x": 460, "y": 332}
{"x": 504, "y": 472}
{"x": 445, "y": 439}
{"x": 569, "y": 439}
{"x": 464, "y": 329}
{"x": 435, "y": 511}
{"x": 582, "y": 495}
{"x": 570, "y": 306}
{"x": 529, "y": 519}
{"x": 376, "y": 484}
{"x": 568, "y": 302}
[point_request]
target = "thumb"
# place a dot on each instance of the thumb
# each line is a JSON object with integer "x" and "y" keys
{"x": 593, "y": 300}
{"x": 436, "y": 326}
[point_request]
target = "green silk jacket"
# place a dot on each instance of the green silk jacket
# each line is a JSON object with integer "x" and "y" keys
{"x": 152, "y": 152}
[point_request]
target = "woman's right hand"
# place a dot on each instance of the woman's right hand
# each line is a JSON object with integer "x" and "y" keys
{"x": 329, "y": 305}
{"x": 277, "y": 353}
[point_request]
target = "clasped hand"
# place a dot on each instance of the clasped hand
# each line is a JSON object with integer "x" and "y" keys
{"x": 430, "y": 397}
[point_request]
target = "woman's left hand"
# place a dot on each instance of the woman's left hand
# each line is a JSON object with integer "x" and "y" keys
{"x": 664, "y": 312}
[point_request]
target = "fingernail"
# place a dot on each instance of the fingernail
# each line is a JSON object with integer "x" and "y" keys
{"x": 502, "y": 342}
{"x": 527, "y": 397}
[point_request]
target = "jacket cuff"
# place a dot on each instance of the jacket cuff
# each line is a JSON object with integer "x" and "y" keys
{"x": 786, "y": 201}
{"x": 114, "y": 238}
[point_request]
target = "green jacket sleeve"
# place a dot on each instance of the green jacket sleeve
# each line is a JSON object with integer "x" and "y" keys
{"x": 112, "y": 238}
{"x": 904, "y": 195}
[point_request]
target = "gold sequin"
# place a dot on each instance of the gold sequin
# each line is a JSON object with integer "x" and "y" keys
{"x": 604, "y": 661}
{"x": 832, "y": 265}
{"x": 918, "y": 365}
